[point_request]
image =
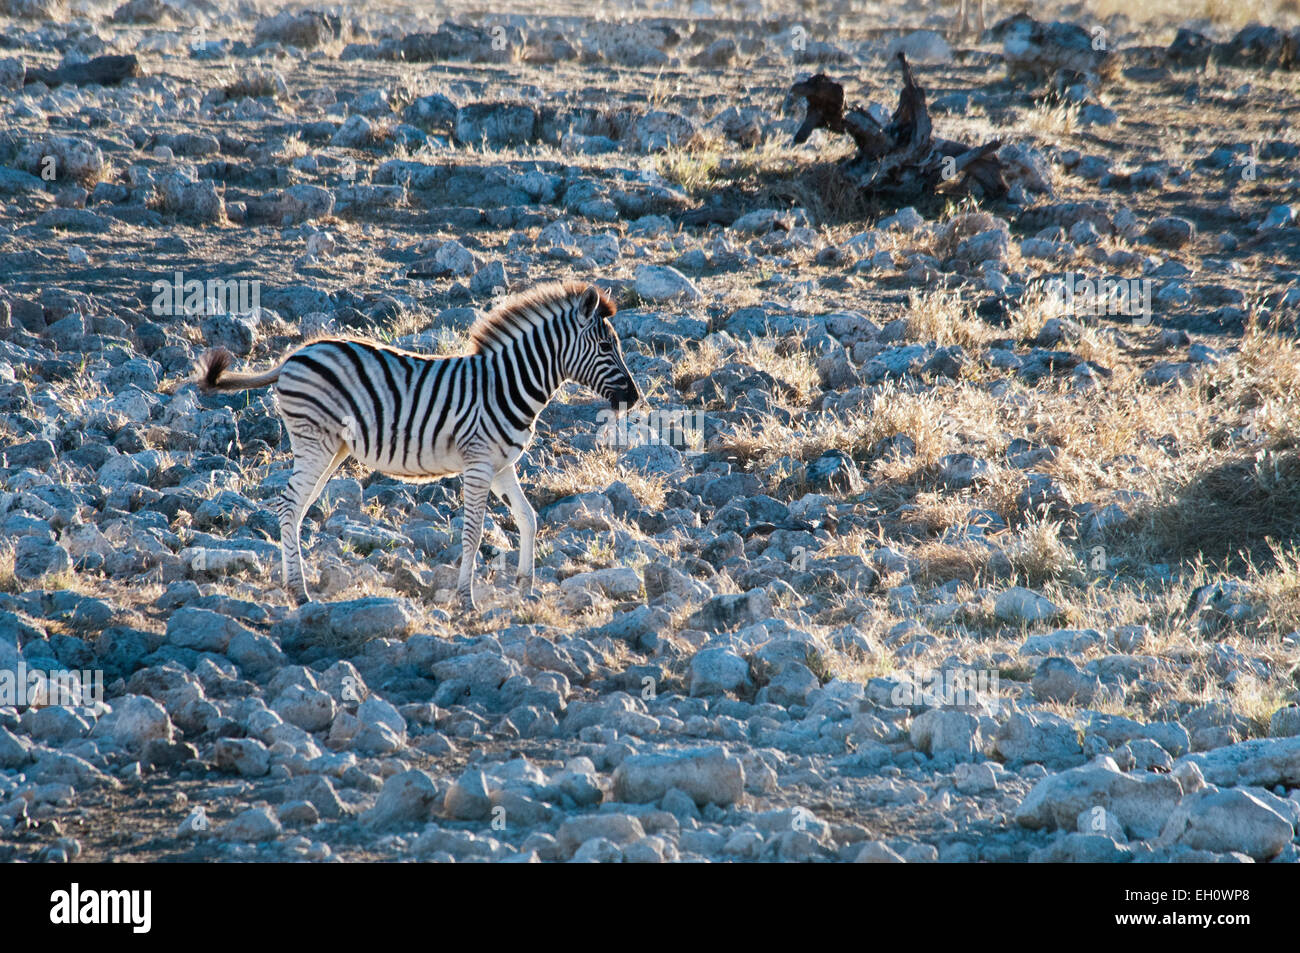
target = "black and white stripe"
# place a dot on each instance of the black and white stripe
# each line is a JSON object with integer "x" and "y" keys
{"x": 419, "y": 417}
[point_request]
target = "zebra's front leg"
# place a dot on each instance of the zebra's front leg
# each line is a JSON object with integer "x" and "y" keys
{"x": 477, "y": 482}
{"x": 506, "y": 485}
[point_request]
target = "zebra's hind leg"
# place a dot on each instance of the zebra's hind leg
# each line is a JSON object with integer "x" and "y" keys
{"x": 477, "y": 480}
{"x": 506, "y": 485}
{"x": 313, "y": 463}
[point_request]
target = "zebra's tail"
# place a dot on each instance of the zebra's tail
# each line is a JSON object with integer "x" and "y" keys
{"x": 212, "y": 373}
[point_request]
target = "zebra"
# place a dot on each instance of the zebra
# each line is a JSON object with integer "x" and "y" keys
{"x": 420, "y": 417}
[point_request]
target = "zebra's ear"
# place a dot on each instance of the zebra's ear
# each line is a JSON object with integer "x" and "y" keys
{"x": 589, "y": 305}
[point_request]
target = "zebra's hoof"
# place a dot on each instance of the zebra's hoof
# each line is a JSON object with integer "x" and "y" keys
{"x": 467, "y": 603}
{"x": 526, "y": 588}
{"x": 301, "y": 598}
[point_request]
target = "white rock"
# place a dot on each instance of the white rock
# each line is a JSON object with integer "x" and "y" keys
{"x": 942, "y": 731}
{"x": 660, "y": 283}
{"x": 468, "y": 798}
{"x": 904, "y": 220}
{"x": 659, "y": 129}
{"x": 1228, "y": 820}
{"x": 244, "y": 756}
{"x": 1278, "y": 216}
{"x": 135, "y": 721}
{"x": 708, "y": 776}
{"x": 974, "y": 778}
{"x": 922, "y": 46}
{"x": 1098, "y": 820}
{"x": 878, "y": 852}
{"x": 618, "y": 829}
{"x": 320, "y": 243}
{"x": 309, "y": 709}
{"x": 454, "y": 258}
{"x": 716, "y": 671}
{"x": 203, "y": 559}
{"x": 1141, "y": 803}
{"x": 407, "y": 799}
{"x": 1020, "y": 606}
{"x": 254, "y": 825}
{"x": 617, "y": 583}
{"x": 1265, "y": 762}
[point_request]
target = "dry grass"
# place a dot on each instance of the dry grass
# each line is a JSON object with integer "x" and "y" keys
{"x": 766, "y": 174}
{"x": 593, "y": 469}
{"x": 1226, "y": 14}
{"x": 693, "y": 166}
{"x": 1278, "y": 589}
{"x": 788, "y": 362}
{"x": 919, "y": 415}
{"x": 1052, "y": 119}
{"x": 947, "y": 318}
{"x": 1256, "y": 701}
{"x": 251, "y": 83}
{"x": 942, "y": 562}
{"x": 548, "y": 609}
{"x": 1214, "y": 465}
{"x": 64, "y": 579}
{"x": 1261, "y": 383}
{"x": 1234, "y": 483}
{"x": 1028, "y": 315}
{"x": 1039, "y": 555}
{"x": 8, "y": 581}
{"x": 294, "y": 146}
{"x": 696, "y": 364}
{"x": 1229, "y": 511}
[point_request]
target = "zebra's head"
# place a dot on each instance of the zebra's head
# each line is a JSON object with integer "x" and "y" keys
{"x": 595, "y": 358}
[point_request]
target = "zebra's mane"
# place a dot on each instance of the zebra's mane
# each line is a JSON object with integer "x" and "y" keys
{"x": 520, "y": 313}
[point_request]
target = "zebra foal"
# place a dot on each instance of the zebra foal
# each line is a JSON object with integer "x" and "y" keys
{"x": 419, "y": 417}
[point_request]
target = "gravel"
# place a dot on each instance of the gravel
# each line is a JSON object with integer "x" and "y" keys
{"x": 732, "y": 651}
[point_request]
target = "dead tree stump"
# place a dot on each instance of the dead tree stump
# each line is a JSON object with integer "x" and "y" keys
{"x": 103, "y": 70}
{"x": 902, "y": 159}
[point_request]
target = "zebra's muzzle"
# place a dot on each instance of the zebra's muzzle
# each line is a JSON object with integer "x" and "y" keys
{"x": 625, "y": 399}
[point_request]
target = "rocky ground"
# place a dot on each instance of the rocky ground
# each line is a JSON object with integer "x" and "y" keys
{"x": 943, "y": 566}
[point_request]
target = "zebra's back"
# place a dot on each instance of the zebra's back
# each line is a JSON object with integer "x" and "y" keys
{"x": 401, "y": 413}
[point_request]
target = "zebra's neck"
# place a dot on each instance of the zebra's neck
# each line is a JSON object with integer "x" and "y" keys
{"x": 529, "y": 368}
